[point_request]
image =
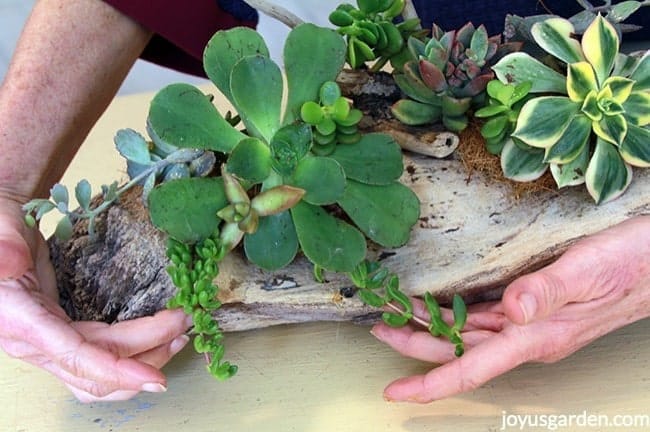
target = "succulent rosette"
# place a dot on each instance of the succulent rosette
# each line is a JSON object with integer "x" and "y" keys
{"x": 590, "y": 125}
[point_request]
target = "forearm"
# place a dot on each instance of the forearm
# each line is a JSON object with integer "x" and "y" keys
{"x": 69, "y": 63}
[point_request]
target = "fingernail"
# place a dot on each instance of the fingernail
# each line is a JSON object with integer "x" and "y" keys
{"x": 178, "y": 344}
{"x": 154, "y": 388}
{"x": 528, "y": 305}
{"x": 189, "y": 322}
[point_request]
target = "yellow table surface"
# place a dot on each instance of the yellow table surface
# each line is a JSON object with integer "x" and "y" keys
{"x": 320, "y": 376}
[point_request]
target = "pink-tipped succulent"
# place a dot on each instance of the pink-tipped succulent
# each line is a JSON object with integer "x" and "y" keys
{"x": 449, "y": 74}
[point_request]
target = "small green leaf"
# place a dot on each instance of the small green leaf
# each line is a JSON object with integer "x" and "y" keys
{"x": 611, "y": 128}
{"x": 620, "y": 87}
{"x": 522, "y": 165}
{"x": 490, "y": 110}
{"x": 600, "y": 46}
{"x": 326, "y": 240}
{"x": 311, "y": 113}
{"x": 460, "y": 312}
{"x": 83, "y": 193}
{"x": 59, "y": 194}
{"x": 494, "y": 127}
{"x": 543, "y": 120}
{"x": 250, "y": 160}
{"x": 275, "y": 243}
{"x": 375, "y": 159}
{"x": 276, "y": 200}
{"x": 635, "y": 148}
{"x": 322, "y": 178}
{"x": 64, "y": 229}
{"x": 371, "y": 299}
{"x": 288, "y": 146}
{"x": 608, "y": 176}
{"x": 554, "y": 36}
{"x": 187, "y": 209}
{"x": 256, "y": 86}
{"x": 520, "y": 67}
{"x": 384, "y": 213}
{"x": 180, "y": 114}
{"x": 132, "y": 146}
{"x": 622, "y": 11}
{"x": 394, "y": 320}
{"x": 329, "y": 93}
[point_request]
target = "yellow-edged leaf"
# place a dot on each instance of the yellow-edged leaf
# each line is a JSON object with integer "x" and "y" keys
{"x": 554, "y": 36}
{"x": 600, "y": 46}
{"x": 620, "y": 87}
{"x": 543, "y": 120}
{"x": 581, "y": 80}
{"x": 608, "y": 176}
{"x": 611, "y": 129}
{"x": 635, "y": 148}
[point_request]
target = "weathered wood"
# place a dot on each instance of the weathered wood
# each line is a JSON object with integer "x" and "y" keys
{"x": 472, "y": 238}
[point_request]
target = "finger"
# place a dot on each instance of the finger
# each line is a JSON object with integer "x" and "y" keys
{"x": 485, "y": 361}
{"x": 131, "y": 337}
{"x": 15, "y": 253}
{"x": 421, "y": 345}
{"x": 160, "y": 356}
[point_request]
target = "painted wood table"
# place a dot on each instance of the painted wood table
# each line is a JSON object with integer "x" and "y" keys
{"x": 327, "y": 376}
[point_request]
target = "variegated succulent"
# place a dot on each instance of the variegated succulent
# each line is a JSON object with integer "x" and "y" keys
{"x": 590, "y": 126}
{"x": 448, "y": 75}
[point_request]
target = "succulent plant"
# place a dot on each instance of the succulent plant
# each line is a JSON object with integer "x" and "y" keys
{"x": 590, "y": 126}
{"x": 372, "y": 35}
{"x": 277, "y": 185}
{"x": 448, "y": 75}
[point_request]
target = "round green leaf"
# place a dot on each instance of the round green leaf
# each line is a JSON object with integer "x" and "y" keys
{"x": 250, "y": 160}
{"x": 608, "y": 176}
{"x": 256, "y": 86}
{"x": 375, "y": 159}
{"x": 312, "y": 56}
{"x": 180, "y": 114}
{"x": 132, "y": 146}
{"x": 322, "y": 178}
{"x": 384, "y": 213}
{"x": 274, "y": 244}
{"x": 311, "y": 113}
{"x": 64, "y": 229}
{"x": 83, "y": 193}
{"x": 522, "y": 165}
{"x": 186, "y": 209}
{"x": 329, "y": 93}
{"x": 327, "y": 241}
{"x": 225, "y": 49}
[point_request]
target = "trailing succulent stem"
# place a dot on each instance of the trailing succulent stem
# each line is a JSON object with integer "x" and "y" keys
{"x": 192, "y": 271}
{"x": 379, "y": 288}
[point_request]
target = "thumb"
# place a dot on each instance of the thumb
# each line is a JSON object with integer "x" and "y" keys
{"x": 539, "y": 294}
{"x": 15, "y": 254}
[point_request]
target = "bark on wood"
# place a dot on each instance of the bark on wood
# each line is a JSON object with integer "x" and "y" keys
{"x": 472, "y": 238}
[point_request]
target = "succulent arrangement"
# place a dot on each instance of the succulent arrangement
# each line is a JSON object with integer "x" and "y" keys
{"x": 589, "y": 124}
{"x": 448, "y": 75}
{"x": 371, "y": 33}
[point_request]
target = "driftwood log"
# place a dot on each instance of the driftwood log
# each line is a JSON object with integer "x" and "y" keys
{"x": 473, "y": 238}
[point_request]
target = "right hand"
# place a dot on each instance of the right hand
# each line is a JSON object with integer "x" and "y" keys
{"x": 97, "y": 361}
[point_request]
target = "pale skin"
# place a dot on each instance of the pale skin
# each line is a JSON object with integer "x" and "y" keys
{"x": 70, "y": 61}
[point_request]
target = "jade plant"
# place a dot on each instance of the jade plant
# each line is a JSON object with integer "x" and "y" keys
{"x": 295, "y": 176}
{"x": 589, "y": 124}
{"x": 371, "y": 33}
{"x": 448, "y": 75}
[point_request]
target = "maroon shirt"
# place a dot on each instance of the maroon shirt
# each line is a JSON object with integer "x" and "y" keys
{"x": 181, "y": 31}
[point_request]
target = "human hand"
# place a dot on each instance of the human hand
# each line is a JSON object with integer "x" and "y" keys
{"x": 598, "y": 285}
{"x": 97, "y": 361}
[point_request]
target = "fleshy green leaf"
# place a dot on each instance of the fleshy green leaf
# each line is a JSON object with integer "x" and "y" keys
{"x": 622, "y": 11}
{"x": 132, "y": 146}
{"x": 414, "y": 87}
{"x": 180, "y": 114}
{"x": 225, "y": 49}
{"x": 581, "y": 80}
{"x": 572, "y": 141}
{"x": 600, "y": 46}
{"x": 186, "y": 209}
{"x": 620, "y": 87}
{"x": 384, "y": 213}
{"x": 608, "y": 176}
{"x": 520, "y": 67}
{"x": 59, "y": 194}
{"x": 375, "y": 159}
{"x": 322, "y": 178}
{"x": 490, "y": 110}
{"x": 64, "y": 229}
{"x": 288, "y": 146}
{"x": 453, "y": 107}
{"x": 250, "y": 160}
{"x": 543, "y": 120}
{"x": 641, "y": 74}
{"x": 611, "y": 128}
{"x": 415, "y": 113}
{"x": 591, "y": 108}
{"x": 312, "y": 56}
{"x": 256, "y": 86}
{"x": 554, "y": 36}
{"x": 522, "y": 165}
{"x": 83, "y": 193}
{"x": 636, "y": 108}
{"x": 327, "y": 241}
{"x": 274, "y": 244}
{"x": 494, "y": 127}
{"x": 635, "y": 148}
{"x": 572, "y": 173}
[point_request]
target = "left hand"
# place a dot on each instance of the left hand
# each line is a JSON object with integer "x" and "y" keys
{"x": 598, "y": 285}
